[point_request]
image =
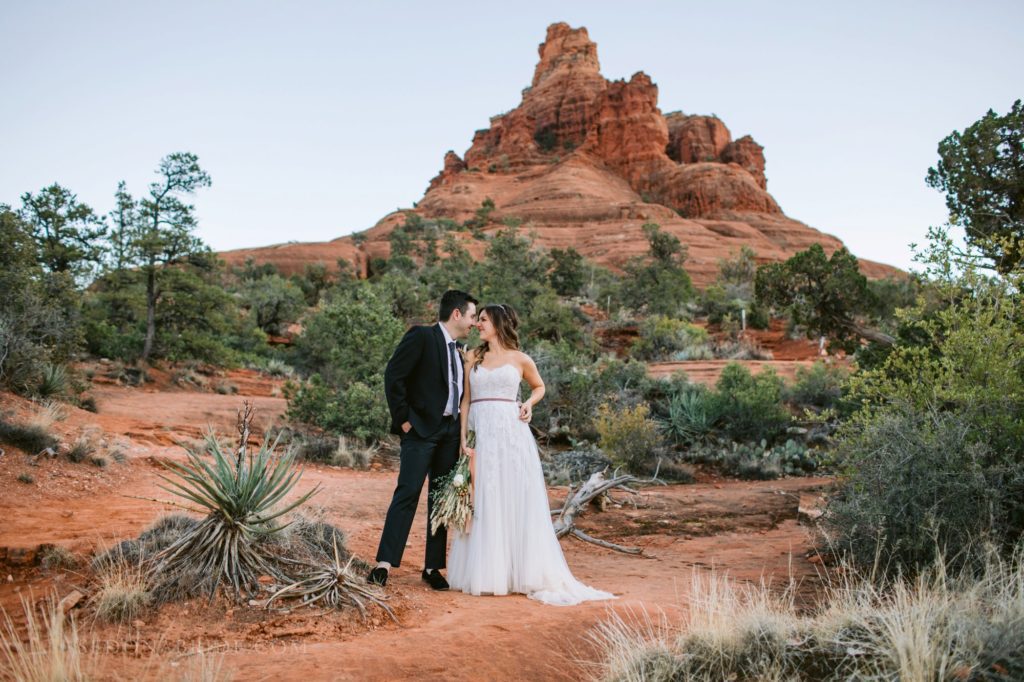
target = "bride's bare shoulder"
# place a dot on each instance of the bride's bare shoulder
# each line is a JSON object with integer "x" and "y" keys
{"x": 524, "y": 360}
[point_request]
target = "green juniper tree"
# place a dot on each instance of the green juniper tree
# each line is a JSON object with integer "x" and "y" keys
{"x": 162, "y": 234}
{"x": 68, "y": 234}
{"x": 981, "y": 172}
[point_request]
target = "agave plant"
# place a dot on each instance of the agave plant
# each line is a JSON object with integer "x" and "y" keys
{"x": 691, "y": 417}
{"x": 334, "y": 584}
{"x": 241, "y": 497}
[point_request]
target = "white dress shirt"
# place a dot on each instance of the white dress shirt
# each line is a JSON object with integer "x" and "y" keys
{"x": 457, "y": 369}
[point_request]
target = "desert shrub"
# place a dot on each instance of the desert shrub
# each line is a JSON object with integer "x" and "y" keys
{"x": 198, "y": 319}
{"x": 308, "y": 537}
{"x": 692, "y": 415}
{"x": 581, "y": 387}
{"x": 756, "y": 461}
{"x": 628, "y": 435}
{"x": 819, "y": 385}
{"x": 357, "y": 409}
{"x": 83, "y": 449}
{"x": 26, "y": 478}
{"x": 161, "y": 534}
{"x": 350, "y": 338}
{"x": 32, "y": 438}
{"x": 243, "y": 499}
{"x": 571, "y": 467}
{"x": 742, "y": 348}
{"x": 932, "y": 453}
{"x": 334, "y": 450}
{"x": 346, "y": 345}
{"x": 567, "y": 271}
{"x": 277, "y": 368}
{"x": 750, "y": 407}
{"x": 663, "y": 337}
{"x": 554, "y": 320}
{"x": 922, "y": 482}
{"x": 514, "y": 272}
{"x": 56, "y": 557}
{"x": 40, "y": 320}
{"x": 226, "y": 388}
{"x": 99, "y": 461}
{"x": 941, "y": 626}
{"x": 658, "y": 283}
{"x": 273, "y": 302}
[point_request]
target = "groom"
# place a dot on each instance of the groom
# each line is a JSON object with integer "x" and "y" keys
{"x": 423, "y": 385}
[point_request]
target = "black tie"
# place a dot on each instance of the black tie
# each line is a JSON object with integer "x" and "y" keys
{"x": 454, "y": 387}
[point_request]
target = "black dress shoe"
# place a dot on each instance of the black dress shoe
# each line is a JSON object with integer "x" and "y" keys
{"x": 378, "y": 576}
{"x": 435, "y": 580}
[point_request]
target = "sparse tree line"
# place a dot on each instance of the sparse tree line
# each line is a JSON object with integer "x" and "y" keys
{"x": 138, "y": 285}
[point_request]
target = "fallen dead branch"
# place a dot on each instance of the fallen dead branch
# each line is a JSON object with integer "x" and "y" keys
{"x": 595, "y": 490}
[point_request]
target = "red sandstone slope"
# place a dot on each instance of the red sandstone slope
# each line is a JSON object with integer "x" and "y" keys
{"x": 585, "y": 162}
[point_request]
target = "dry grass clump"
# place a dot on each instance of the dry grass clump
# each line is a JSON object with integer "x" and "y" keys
{"x": 122, "y": 592}
{"x": 56, "y": 557}
{"x": 84, "y": 448}
{"x": 934, "y": 627}
{"x": 47, "y": 651}
{"x": 343, "y": 452}
{"x": 352, "y": 454}
{"x": 30, "y": 437}
{"x": 160, "y": 535}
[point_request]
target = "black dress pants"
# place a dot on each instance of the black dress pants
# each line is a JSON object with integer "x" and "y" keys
{"x": 421, "y": 457}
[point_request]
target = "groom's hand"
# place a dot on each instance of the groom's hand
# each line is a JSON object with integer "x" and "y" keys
{"x": 406, "y": 427}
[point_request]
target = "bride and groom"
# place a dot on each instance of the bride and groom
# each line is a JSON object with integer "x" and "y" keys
{"x": 437, "y": 392}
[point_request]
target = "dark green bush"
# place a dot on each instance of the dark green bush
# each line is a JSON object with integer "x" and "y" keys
{"x": 920, "y": 483}
{"x": 750, "y": 407}
{"x": 819, "y": 385}
{"x": 40, "y": 321}
{"x": 661, "y": 338}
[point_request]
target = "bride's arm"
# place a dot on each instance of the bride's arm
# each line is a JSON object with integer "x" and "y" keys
{"x": 464, "y": 405}
{"x": 532, "y": 377}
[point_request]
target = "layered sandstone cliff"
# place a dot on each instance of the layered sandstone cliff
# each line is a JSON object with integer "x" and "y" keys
{"x": 585, "y": 162}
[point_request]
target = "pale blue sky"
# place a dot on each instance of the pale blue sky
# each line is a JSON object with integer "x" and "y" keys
{"x": 317, "y": 118}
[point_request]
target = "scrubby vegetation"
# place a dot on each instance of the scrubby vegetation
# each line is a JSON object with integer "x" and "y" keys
{"x": 938, "y": 626}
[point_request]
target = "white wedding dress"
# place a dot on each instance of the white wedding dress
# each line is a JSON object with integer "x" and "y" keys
{"x": 511, "y": 544}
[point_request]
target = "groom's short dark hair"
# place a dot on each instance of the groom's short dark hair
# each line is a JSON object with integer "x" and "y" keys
{"x": 453, "y": 300}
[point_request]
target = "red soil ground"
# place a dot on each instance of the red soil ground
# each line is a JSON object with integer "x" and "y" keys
{"x": 748, "y": 529}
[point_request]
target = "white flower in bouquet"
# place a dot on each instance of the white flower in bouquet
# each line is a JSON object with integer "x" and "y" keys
{"x": 452, "y": 504}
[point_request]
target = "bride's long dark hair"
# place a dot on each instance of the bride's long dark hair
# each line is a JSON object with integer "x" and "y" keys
{"x": 506, "y": 322}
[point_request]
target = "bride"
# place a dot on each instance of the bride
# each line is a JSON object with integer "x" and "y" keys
{"x": 510, "y": 545}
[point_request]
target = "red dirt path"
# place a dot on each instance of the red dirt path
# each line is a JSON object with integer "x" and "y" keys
{"x": 746, "y": 528}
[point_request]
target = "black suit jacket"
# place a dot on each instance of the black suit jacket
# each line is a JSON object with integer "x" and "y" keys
{"x": 416, "y": 380}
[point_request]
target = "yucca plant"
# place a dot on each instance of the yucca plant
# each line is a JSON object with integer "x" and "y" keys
{"x": 54, "y": 381}
{"x": 240, "y": 491}
{"x": 691, "y": 417}
{"x": 333, "y": 584}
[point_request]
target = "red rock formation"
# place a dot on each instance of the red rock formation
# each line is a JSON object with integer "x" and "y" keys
{"x": 750, "y": 157}
{"x": 696, "y": 139}
{"x": 453, "y": 165}
{"x": 585, "y": 162}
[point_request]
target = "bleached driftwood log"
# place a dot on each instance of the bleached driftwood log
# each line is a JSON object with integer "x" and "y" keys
{"x": 596, "y": 488}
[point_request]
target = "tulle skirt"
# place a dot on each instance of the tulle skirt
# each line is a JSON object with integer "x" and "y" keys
{"x": 511, "y": 544}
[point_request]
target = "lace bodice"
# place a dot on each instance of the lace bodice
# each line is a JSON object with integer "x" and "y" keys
{"x": 501, "y": 382}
